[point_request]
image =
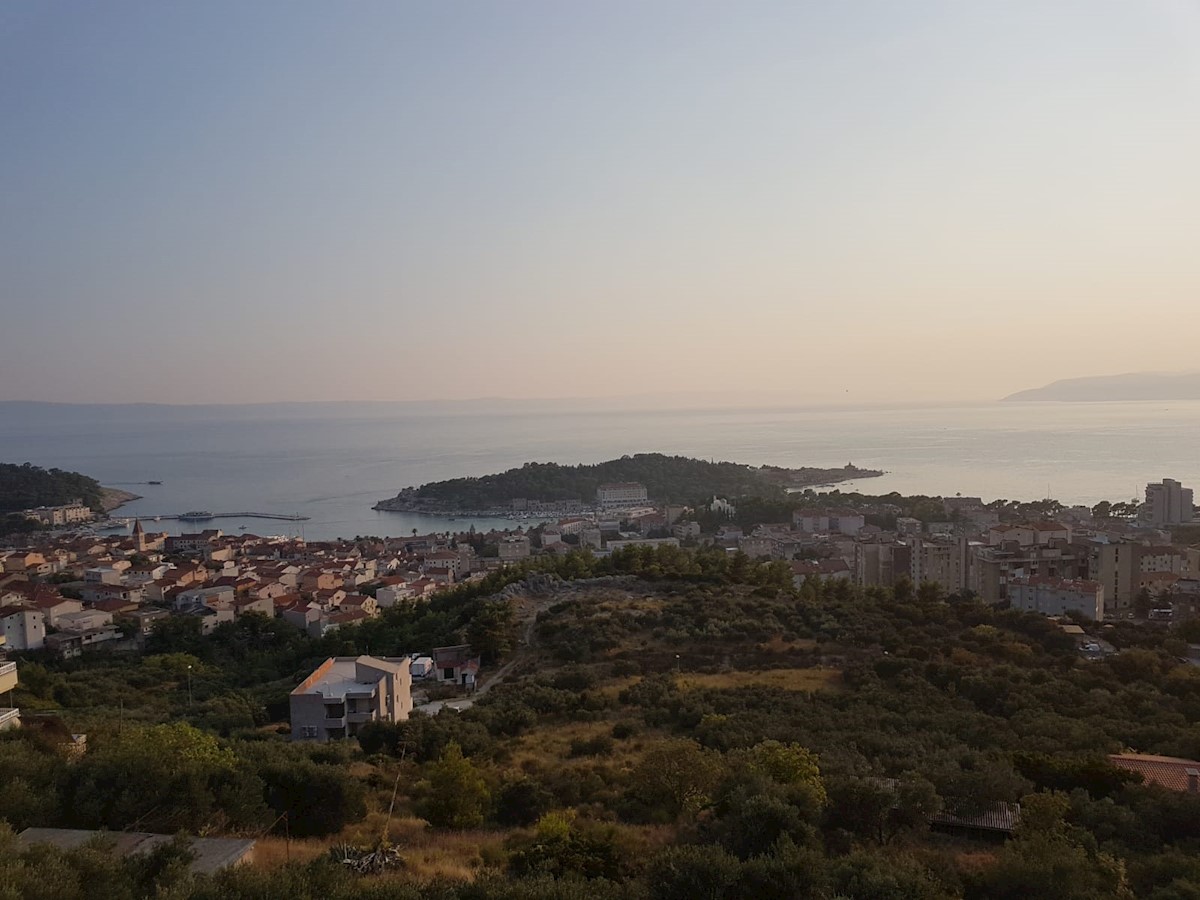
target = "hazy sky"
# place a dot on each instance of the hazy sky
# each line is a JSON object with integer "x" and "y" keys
{"x": 237, "y": 201}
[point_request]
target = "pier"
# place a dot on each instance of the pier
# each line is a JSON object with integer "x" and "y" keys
{"x": 205, "y": 516}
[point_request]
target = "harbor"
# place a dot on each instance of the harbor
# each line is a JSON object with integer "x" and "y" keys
{"x": 204, "y": 516}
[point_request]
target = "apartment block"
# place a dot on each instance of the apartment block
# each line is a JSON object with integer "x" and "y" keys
{"x": 346, "y": 692}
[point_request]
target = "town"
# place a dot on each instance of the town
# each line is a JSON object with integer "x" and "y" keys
{"x": 72, "y": 590}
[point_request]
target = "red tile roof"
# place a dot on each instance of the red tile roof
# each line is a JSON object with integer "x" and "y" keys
{"x": 1170, "y": 772}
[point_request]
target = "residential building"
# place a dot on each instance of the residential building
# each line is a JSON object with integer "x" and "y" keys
{"x": 992, "y": 567}
{"x": 1029, "y": 534}
{"x": 24, "y": 627}
{"x": 1057, "y": 596}
{"x": 617, "y": 495}
{"x": 455, "y": 665}
{"x": 70, "y": 644}
{"x": 514, "y": 548}
{"x": 1167, "y": 503}
{"x": 10, "y": 716}
{"x": 346, "y": 692}
{"x": 57, "y": 516}
{"x": 944, "y": 562}
{"x": 880, "y": 563}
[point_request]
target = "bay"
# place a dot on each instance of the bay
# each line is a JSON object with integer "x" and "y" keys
{"x": 331, "y": 462}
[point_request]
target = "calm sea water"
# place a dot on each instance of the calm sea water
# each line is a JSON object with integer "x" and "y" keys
{"x": 332, "y": 462}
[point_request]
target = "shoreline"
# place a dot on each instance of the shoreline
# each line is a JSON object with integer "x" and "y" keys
{"x": 406, "y": 502}
{"x": 113, "y": 499}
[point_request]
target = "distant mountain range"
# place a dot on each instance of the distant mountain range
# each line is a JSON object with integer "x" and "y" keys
{"x": 1132, "y": 386}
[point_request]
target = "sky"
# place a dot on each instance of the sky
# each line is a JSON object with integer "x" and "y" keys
{"x": 862, "y": 201}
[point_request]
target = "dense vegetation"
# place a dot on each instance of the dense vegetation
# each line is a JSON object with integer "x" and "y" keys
{"x": 26, "y": 486}
{"x": 677, "y": 479}
{"x": 698, "y": 729}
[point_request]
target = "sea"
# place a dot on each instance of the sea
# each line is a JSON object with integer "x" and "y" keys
{"x": 332, "y": 462}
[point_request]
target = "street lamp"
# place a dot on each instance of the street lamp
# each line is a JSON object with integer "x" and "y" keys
{"x": 189, "y": 677}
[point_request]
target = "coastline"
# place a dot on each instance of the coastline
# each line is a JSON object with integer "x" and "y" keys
{"x": 114, "y": 498}
{"x": 407, "y": 501}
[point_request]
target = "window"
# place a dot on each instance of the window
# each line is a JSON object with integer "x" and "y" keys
{"x": 308, "y": 731}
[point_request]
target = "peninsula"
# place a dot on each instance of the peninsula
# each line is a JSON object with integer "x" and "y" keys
{"x": 668, "y": 479}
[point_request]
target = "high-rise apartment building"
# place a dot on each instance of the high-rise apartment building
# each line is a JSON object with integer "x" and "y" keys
{"x": 1167, "y": 503}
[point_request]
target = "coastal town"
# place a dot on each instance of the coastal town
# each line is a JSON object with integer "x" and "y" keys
{"x": 74, "y": 590}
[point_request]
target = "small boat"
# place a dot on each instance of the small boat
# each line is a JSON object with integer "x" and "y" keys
{"x": 242, "y": 527}
{"x": 153, "y": 482}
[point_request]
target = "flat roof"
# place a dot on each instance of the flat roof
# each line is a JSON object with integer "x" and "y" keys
{"x": 340, "y": 678}
{"x": 211, "y": 854}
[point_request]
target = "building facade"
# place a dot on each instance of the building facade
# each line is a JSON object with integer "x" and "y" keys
{"x": 1167, "y": 503}
{"x": 621, "y": 494}
{"x": 1058, "y": 596}
{"x": 346, "y": 692}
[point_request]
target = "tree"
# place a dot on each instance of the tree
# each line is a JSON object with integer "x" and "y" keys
{"x": 675, "y": 778}
{"x": 453, "y": 793}
{"x": 318, "y": 799}
{"x": 163, "y": 778}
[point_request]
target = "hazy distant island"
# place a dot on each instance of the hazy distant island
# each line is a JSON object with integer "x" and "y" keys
{"x": 1131, "y": 386}
{"x": 673, "y": 479}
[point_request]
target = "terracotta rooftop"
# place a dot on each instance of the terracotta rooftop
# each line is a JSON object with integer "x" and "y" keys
{"x": 1171, "y": 772}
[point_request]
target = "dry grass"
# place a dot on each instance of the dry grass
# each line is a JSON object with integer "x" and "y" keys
{"x": 809, "y": 680}
{"x": 778, "y": 645}
{"x": 272, "y": 852}
{"x": 550, "y": 745}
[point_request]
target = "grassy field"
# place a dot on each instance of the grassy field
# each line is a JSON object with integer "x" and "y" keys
{"x": 783, "y": 679}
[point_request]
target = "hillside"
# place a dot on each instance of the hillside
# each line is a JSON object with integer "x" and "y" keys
{"x": 673, "y": 725}
{"x": 677, "y": 479}
{"x": 26, "y": 486}
{"x": 1132, "y": 386}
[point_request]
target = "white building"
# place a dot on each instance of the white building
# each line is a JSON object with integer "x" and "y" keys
{"x": 346, "y": 692}
{"x": 24, "y": 627}
{"x": 618, "y": 495}
{"x": 1057, "y": 596}
{"x": 1168, "y": 503}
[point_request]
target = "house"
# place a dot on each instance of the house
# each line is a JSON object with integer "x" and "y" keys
{"x": 316, "y": 580}
{"x": 302, "y": 615}
{"x": 209, "y": 616}
{"x": 55, "y": 605}
{"x": 359, "y": 602}
{"x": 346, "y": 692}
{"x": 215, "y": 597}
{"x": 995, "y": 823}
{"x": 455, "y": 665}
{"x": 70, "y": 644}
{"x": 128, "y": 593}
{"x": 393, "y": 591}
{"x": 264, "y": 606}
{"x": 1170, "y": 772}
{"x": 144, "y": 619}
{"x": 332, "y": 621}
{"x": 84, "y": 620}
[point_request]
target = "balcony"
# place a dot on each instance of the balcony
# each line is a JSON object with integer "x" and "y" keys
{"x": 8, "y": 677}
{"x": 9, "y": 718}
